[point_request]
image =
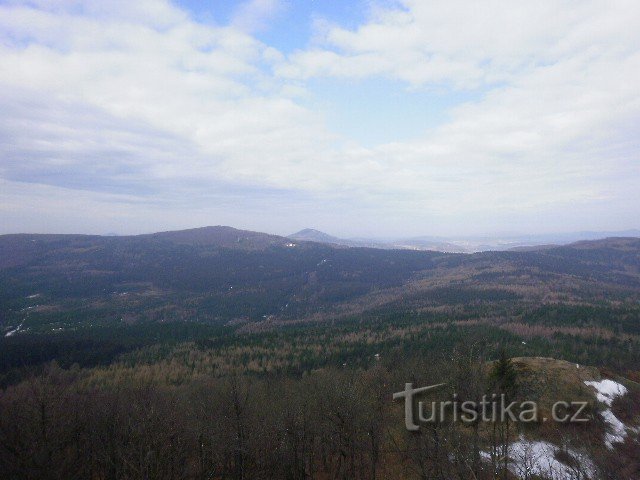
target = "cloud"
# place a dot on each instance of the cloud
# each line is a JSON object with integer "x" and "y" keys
{"x": 169, "y": 98}
{"x": 467, "y": 43}
{"x": 558, "y": 124}
{"x": 254, "y": 15}
{"x": 143, "y": 108}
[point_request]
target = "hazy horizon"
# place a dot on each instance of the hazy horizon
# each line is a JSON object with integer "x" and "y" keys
{"x": 505, "y": 235}
{"x": 374, "y": 118}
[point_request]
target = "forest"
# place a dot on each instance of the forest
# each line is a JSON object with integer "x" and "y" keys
{"x": 228, "y": 355}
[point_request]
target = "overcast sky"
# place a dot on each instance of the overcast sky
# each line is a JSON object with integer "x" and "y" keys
{"x": 371, "y": 118}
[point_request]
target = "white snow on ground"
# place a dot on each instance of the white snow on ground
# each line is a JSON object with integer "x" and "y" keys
{"x": 14, "y": 331}
{"x": 618, "y": 429}
{"x": 530, "y": 458}
{"x": 608, "y": 390}
{"x": 538, "y": 458}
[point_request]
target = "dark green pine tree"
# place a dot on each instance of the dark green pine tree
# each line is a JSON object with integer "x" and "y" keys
{"x": 504, "y": 376}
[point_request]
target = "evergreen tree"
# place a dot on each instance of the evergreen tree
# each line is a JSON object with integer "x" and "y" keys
{"x": 504, "y": 376}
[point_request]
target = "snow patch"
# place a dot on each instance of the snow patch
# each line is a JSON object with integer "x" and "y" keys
{"x": 11, "y": 333}
{"x": 608, "y": 390}
{"x": 618, "y": 430}
{"x": 529, "y": 458}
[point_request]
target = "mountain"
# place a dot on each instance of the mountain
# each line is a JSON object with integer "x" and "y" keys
{"x": 20, "y": 249}
{"x": 312, "y": 235}
{"x": 221, "y": 236}
{"x": 619, "y": 244}
{"x": 220, "y": 275}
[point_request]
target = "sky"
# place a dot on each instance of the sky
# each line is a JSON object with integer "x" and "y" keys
{"x": 375, "y": 118}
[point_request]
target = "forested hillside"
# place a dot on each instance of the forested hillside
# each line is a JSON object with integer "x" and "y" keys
{"x": 63, "y": 295}
{"x": 230, "y": 354}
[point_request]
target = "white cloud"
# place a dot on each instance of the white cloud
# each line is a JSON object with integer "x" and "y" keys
{"x": 254, "y": 15}
{"x": 139, "y": 99}
{"x": 558, "y": 124}
{"x": 467, "y": 42}
{"x": 205, "y": 87}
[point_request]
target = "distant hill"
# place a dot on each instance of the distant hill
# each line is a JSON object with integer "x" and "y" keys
{"x": 20, "y": 249}
{"x": 312, "y": 235}
{"x": 613, "y": 243}
{"x": 220, "y": 236}
{"x": 221, "y": 274}
{"x": 212, "y": 273}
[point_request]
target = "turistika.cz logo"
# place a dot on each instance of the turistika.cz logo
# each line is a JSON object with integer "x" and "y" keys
{"x": 491, "y": 408}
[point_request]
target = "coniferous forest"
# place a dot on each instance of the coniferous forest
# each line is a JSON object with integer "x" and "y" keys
{"x": 162, "y": 357}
